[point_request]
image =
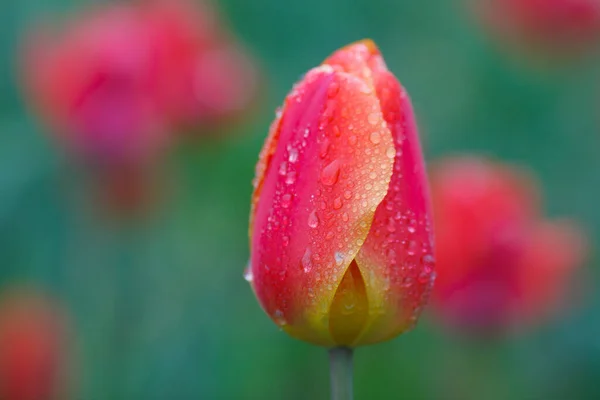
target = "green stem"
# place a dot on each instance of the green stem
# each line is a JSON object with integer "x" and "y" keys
{"x": 340, "y": 364}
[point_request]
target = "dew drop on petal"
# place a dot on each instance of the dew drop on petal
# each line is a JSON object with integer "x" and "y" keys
{"x": 290, "y": 178}
{"x": 324, "y": 148}
{"x": 306, "y": 261}
{"x": 279, "y": 319}
{"x": 375, "y": 137}
{"x": 283, "y": 168}
{"x": 373, "y": 118}
{"x": 337, "y": 203}
{"x": 293, "y": 156}
{"x": 286, "y": 200}
{"x": 390, "y": 152}
{"x": 313, "y": 219}
{"x": 339, "y": 258}
{"x": 331, "y": 173}
{"x": 248, "y": 275}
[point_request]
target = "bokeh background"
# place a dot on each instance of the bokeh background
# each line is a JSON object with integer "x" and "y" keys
{"x": 160, "y": 307}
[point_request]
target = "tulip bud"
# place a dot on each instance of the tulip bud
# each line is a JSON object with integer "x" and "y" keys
{"x": 547, "y": 27}
{"x": 341, "y": 243}
{"x": 33, "y": 341}
{"x": 500, "y": 264}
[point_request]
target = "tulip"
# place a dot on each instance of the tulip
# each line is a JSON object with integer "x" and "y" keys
{"x": 548, "y": 27}
{"x": 33, "y": 344}
{"x": 93, "y": 82}
{"x": 114, "y": 85}
{"x": 501, "y": 265}
{"x": 341, "y": 242}
{"x": 207, "y": 76}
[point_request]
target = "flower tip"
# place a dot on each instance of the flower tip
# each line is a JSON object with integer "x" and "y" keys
{"x": 361, "y": 45}
{"x": 370, "y": 45}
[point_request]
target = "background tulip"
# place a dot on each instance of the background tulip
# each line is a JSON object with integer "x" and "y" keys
{"x": 116, "y": 83}
{"x": 340, "y": 235}
{"x": 500, "y": 264}
{"x": 549, "y": 27}
{"x": 33, "y": 346}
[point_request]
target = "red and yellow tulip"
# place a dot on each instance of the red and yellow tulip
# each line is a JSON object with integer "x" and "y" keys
{"x": 340, "y": 227}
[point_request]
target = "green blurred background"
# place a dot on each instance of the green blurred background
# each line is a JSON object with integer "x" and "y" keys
{"x": 161, "y": 309}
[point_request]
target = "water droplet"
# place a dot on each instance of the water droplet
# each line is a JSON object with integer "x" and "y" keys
{"x": 411, "y": 247}
{"x": 390, "y": 152}
{"x": 306, "y": 261}
{"x": 248, "y": 275}
{"x": 375, "y": 137}
{"x": 336, "y": 131}
{"x": 331, "y": 173}
{"x": 290, "y": 178}
{"x": 283, "y": 168}
{"x": 373, "y": 118}
{"x": 279, "y": 319}
{"x": 293, "y": 156}
{"x": 352, "y": 140}
{"x": 337, "y": 203}
{"x": 411, "y": 229}
{"x": 345, "y": 217}
{"x": 333, "y": 89}
{"x": 347, "y": 195}
{"x": 339, "y": 258}
{"x": 391, "y": 225}
{"x": 391, "y": 253}
{"x": 285, "y": 241}
{"x": 324, "y": 148}
{"x": 313, "y": 219}
{"x": 286, "y": 200}
{"x": 424, "y": 277}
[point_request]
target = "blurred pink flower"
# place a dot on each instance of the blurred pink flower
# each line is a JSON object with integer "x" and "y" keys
{"x": 501, "y": 265}
{"x": 209, "y": 75}
{"x": 94, "y": 82}
{"x": 549, "y": 27}
{"x": 116, "y": 82}
{"x": 33, "y": 348}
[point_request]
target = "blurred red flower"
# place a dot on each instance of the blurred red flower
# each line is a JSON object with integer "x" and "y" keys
{"x": 115, "y": 82}
{"x": 500, "y": 264}
{"x": 207, "y": 75}
{"x": 551, "y": 27}
{"x": 33, "y": 345}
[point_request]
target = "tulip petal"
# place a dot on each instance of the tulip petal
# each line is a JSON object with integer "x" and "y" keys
{"x": 397, "y": 257}
{"x": 396, "y": 260}
{"x": 350, "y": 308}
{"x": 323, "y": 172}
